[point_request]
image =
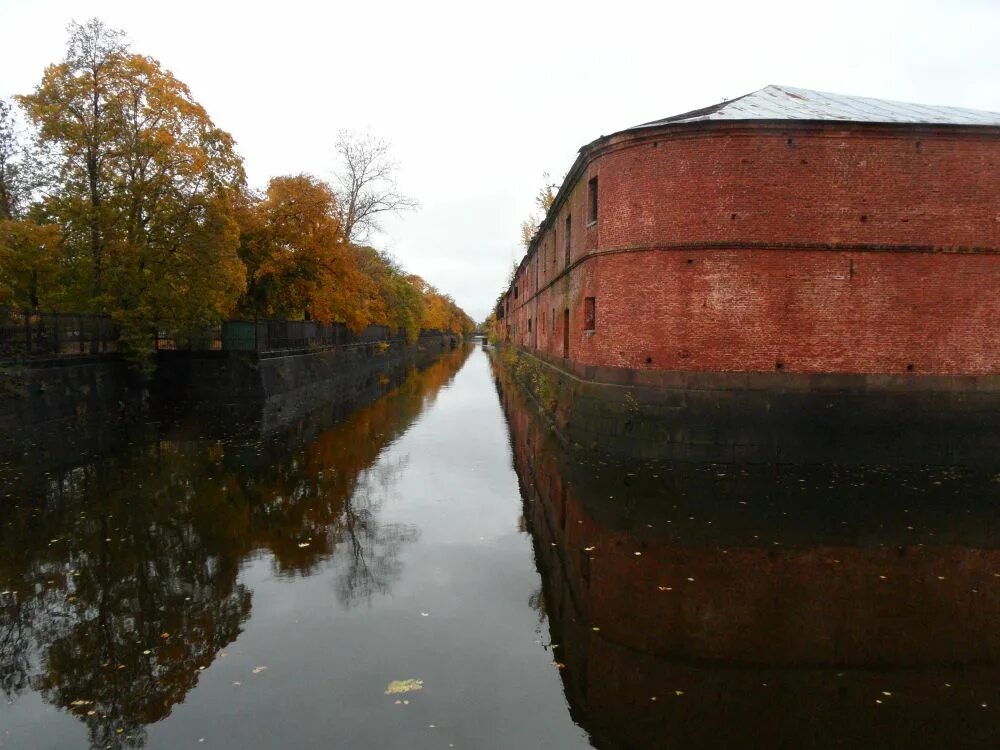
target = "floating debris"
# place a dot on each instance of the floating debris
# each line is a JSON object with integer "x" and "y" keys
{"x": 404, "y": 686}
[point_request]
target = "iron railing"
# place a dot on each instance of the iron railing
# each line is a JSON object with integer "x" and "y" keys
{"x": 272, "y": 336}
{"x": 25, "y": 333}
{"x": 50, "y": 334}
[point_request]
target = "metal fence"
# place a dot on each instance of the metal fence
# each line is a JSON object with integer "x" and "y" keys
{"x": 48, "y": 334}
{"x": 276, "y": 336}
{"x": 26, "y": 333}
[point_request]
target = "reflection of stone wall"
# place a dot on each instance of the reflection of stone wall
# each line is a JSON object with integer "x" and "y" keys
{"x": 767, "y": 646}
{"x": 231, "y": 377}
{"x": 275, "y": 392}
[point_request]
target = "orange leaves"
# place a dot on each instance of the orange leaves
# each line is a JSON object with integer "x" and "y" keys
{"x": 142, "y": 185}
{"x": 299, "y": 264}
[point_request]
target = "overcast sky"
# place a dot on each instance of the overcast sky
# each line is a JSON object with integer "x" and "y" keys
{"x": 480, "y": 99}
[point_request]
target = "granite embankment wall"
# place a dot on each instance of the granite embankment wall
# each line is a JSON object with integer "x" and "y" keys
{"x": 71, "y": 392}
{"x": 42, "y": 402}
{"x": 755, "y": 418}
{"x": 276, "y": 390}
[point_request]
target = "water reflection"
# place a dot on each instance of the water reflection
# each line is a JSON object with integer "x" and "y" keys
{"x": 703, "y": 606}
{"x": 119, "y": 575}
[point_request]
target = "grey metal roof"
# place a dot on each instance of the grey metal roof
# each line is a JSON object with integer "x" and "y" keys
{"x": 788, "y": 103}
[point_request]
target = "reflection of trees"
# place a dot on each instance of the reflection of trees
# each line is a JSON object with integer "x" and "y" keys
{"x": 15, "y": 645}
{"x": 119, "y": 600}
{"x": 370, "y": 548}
{"x": 119, "y": 575}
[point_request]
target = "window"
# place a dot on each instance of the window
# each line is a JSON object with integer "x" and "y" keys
{"x": 592, "y": 201}
{"x": 589, "y": 314}
{"x": 515, "y": 292}
{"x": 569, "y": 226}
{"x": 529, "y": 325}
{"x": 543, "y": 321}
{"x": 553, "y": 320}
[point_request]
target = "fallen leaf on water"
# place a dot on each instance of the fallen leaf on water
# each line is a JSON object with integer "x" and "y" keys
{"x": 258, "y": 670}
{"x": 404, "y": 686}
{"x": 425, "y": 614}
{"x": 164, "y": 635}
{"x": 81, "y": 703}
{"x": 678, "y": 692}
{"x": 303, "y": 544}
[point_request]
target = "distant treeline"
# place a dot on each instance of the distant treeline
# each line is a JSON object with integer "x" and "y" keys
{"x": 119, "y": 195}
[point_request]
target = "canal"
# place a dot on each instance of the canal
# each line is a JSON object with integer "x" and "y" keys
{"x": 435, "y": 570}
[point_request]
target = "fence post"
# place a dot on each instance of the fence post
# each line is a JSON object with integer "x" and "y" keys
{"x": 27, "y": 331}
{"x": 55, "y": 334}
{"x": 79, "y": 334}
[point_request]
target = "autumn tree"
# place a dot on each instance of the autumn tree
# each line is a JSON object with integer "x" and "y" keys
{"x": 143, "y": 185}
{"x": 298, "y": 262}
{"x": 544, "y": 199}
{"x": 12, "y": 177}
{"x": 29, "y": 263}
{"x": 398, "y": 304}
{"x": 366, "y": 184}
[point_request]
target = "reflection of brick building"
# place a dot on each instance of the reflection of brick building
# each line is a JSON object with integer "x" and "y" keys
{"x": 785, "y": 232}
{"x": 680, "y": 622}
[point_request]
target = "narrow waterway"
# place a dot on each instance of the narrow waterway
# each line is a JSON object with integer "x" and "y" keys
{"x": 435, "y": 570}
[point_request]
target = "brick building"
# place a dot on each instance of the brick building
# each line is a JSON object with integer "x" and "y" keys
{"x": 788, "y": 232}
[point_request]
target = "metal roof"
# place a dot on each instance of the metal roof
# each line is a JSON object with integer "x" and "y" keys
{"x": 788, "y": 103}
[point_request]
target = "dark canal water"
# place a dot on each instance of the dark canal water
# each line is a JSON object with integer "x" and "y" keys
{"x": 434, "y": 570}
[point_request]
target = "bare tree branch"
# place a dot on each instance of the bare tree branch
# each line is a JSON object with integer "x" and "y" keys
{"x": 366, "y": 184}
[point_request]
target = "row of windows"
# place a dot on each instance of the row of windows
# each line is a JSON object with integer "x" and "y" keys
{"x": 592, "y": 208}
{"x": 589, "y": 316}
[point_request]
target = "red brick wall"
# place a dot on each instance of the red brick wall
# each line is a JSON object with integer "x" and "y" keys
{"x": 809, "y": 249}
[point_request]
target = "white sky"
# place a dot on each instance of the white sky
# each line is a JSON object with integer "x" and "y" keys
{"x": 479, "y": 100}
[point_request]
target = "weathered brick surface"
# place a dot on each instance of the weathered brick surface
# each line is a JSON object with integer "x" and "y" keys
{"x": 729, "y": 248}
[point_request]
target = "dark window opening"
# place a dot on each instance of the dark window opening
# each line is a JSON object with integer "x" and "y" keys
{"x": 515, "y": 292}
{"x": 569, "y": 226}
{"x": 553, "y": 320}
{"x": 529, "y": 325}
{"x": 592, "y": 200}
{"x": 589, "y": 314}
